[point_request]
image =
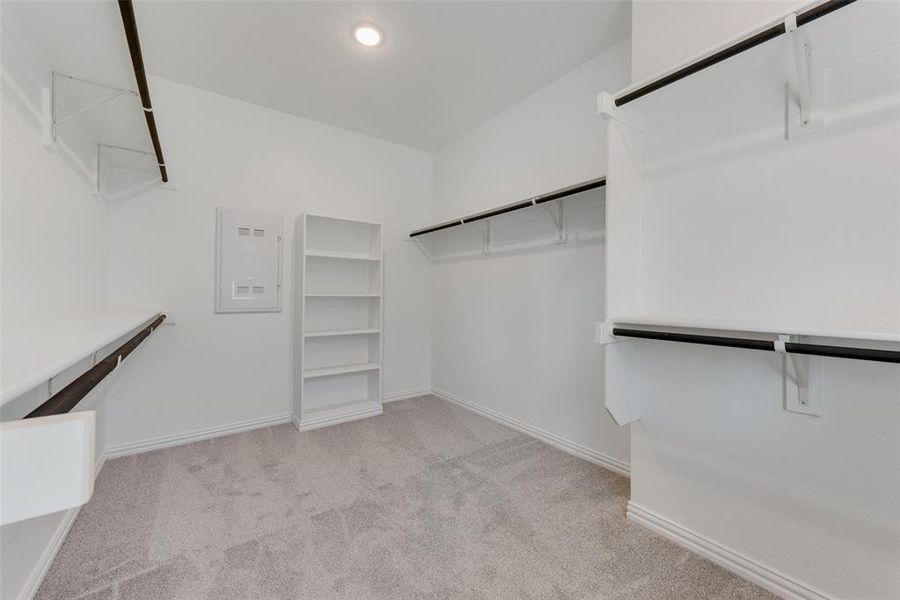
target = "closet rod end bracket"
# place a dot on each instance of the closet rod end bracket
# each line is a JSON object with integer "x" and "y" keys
{"x": 603, "y": 333}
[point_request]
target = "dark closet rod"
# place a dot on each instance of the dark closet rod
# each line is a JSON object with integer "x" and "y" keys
{"x": 555, "y": 195}
{"x": 126, "y": 7}
{"x": 890, "y": 356}
{"x": 746, "y": 44}
{"x": 66, "y": 399}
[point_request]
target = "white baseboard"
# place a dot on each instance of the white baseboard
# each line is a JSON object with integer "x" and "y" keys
{"x": 353, "y": 413}
{"x": 583, "y": 452}
{"x": 406, "y": 394}
{"x": 42, "y": 567}
{"x": 43, "y": 564}
{"x": 775, "y": 582}
{"x": 194, "y": 436}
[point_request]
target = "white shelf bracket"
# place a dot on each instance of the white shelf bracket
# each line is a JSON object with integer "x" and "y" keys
{"x": 127, "y": 173}
{"x": 96, "y": 173}
{"x": 558, "y": 214}
{"x": 802, "y": 380}
{"x": 52, "y": 111}
{"x": 422, "y": 248}
{"x": 804, "y": 95}
{"x": 47, "y": 117}
{"x": 485, "y": 230}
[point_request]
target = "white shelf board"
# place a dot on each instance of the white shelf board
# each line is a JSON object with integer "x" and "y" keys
{"x": 339, "y": 332}
{"x": 755, "y": 327}
{"x": 339, "y": 408}
{"x": 33, "y": 355}
{"x": 853, "y": 31}
{"x": 342, "y": 370}
{"x": 342, "y": 295}
{"x": 341, "y": 255}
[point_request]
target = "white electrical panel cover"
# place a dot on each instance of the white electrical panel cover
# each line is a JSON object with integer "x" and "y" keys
{"x": 248, "y": 261}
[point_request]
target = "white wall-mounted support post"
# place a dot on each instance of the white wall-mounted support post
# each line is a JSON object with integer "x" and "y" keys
{"x": 607, "y": 109}
{"x": 802, "y": 380}
{"x": 48, "y": 464}
{"x": 804, "y": 95}
{"x": 624, "y": 377}
{"x": 606, "y": 106}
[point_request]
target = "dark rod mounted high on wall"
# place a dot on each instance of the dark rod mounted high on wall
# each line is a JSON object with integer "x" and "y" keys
{"x": 890, "y": 356}
{"x": 66, "y": 399}
{"x": 126, "y": 7}
{"x": 746, "y": 44}
{"x": 549, "y": 197}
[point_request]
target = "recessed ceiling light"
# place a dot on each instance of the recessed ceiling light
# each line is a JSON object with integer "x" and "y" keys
{"x": 367, "y": 34}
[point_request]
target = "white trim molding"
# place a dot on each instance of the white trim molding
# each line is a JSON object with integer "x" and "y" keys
{"x": 194, "y": 436}
{"x": 406, "y": 394}
{"x": 335, "y": 418}
{"x": 42, "y": 567}
{"x": 568, "y": 446}
{"x": 775, "y": 582}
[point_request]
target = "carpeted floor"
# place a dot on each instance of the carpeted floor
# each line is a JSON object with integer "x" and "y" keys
{"x": 426, "y": 501}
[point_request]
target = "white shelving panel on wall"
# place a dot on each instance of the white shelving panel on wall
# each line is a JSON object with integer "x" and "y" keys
{"x": 338, "y": 277}
{"x": 722, "y": 214}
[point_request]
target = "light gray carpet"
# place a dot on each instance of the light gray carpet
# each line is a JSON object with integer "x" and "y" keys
{"x": 426, "y": 501}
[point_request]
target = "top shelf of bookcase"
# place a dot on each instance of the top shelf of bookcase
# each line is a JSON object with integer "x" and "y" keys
{"x": 342, "y": 239}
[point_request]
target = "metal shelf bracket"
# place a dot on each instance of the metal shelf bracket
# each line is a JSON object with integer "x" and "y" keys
{"x": 52, "y": 116}
{"x": 802, "y": 380}
{"x": 804, "y": 94}
{"x": 558, "y": 214}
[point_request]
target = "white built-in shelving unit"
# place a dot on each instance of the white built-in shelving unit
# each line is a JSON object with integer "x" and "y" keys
{"x": 338, "y": 318}
{"x": 40, "y": 360}
{"x": 758, "y": 195}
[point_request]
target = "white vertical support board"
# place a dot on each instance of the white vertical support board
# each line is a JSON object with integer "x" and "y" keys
{"x": 338, "y": 277}
{"x": 624, "y": 197}
{"x": 47, "y": 465}
{"x": 248, "y": 261}
{"x": 624, "y": 205}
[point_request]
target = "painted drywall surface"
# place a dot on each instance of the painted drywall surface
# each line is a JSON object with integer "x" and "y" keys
{"x": 816, "y": 499}
{"x": 54, "y": 231}
{"x": 212, "y": 370}
{"x": 659, "y": 27}
{"x": 514, "y": 333}
{"x": 54, "y": 235}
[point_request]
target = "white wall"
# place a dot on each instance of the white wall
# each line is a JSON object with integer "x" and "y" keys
{"x": 813, "y": 501}
{"x": 665, "y": 33}
{"x": 54, "y": 231}
{"x": 209, "y": 370}
{"x": 54, "y": 235}
{"x": 514, "y": 333}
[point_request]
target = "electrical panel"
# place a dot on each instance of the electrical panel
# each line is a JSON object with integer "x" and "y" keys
{"x": 248, "y": 261}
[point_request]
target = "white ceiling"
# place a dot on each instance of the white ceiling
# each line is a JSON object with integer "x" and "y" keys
{"x": 444, "y": 68}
